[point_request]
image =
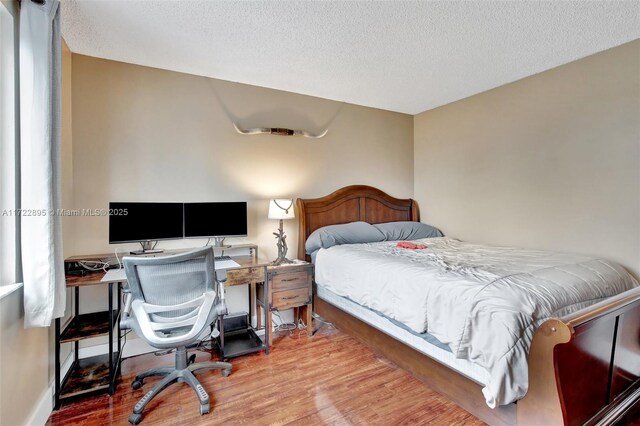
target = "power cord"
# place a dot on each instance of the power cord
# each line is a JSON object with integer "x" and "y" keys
{"x": 301, "y": 324}
{"x": 125, "y": 341}
{"x": 319, "y": 319}
{"x": 118, "y": 259}
{"x": 284, "y": 326}
{"x": 295, "y": 330}
{"x": 205, "y": 345}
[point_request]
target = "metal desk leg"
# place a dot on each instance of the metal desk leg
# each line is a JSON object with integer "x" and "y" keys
{"x": 56, "y": 404}
{"x": 76, "y": 312}
{"x": 111, "y": 366}
{"x": 251, "y": 293}
{"x": 221, "y": 329}
{"x": 267, "y": 313}
{"x": 119, "y": 317}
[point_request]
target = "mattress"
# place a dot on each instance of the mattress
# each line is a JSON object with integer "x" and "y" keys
{"x": 405, "y": 335}
{"x": 484, "y": 302}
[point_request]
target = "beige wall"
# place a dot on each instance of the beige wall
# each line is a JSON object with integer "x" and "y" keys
{"x": 551, "y": 161}
{"x": 24, "y": 363}
{"x": 144, "y": 134}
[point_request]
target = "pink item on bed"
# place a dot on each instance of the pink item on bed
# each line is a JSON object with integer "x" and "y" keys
{"x": 410, "y": 245}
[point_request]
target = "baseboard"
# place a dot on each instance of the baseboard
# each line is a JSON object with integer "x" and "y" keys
{"x": 65, "y": 367}
{"x": 43, "y": 409}
{"x": 133, "y": 347}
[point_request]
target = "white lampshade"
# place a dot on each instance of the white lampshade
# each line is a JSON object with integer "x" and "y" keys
{"x": 281, "y": 208}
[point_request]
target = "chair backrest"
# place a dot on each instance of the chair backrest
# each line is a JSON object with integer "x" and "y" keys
{"x": 171, "y": 280}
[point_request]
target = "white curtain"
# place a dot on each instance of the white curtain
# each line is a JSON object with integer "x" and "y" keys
{"x": 40, "y": 144}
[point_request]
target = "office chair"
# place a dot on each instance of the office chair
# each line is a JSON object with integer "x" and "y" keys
{"x": 173, "y": 300}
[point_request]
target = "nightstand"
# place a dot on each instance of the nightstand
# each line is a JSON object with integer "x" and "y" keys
{"x": 289, "y": 286}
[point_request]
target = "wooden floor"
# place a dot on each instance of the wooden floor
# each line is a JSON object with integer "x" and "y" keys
{"x": 330, "y": 378}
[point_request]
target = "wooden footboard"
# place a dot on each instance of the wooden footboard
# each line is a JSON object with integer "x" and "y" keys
{"x": 585, "y": 368}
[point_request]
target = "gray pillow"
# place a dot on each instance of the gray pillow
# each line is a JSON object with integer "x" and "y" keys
{"x": 348, "y": 233}
{"x": 397, "y": 231}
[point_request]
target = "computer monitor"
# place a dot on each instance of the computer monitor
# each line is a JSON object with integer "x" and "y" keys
{"x": 215, "y": 220}
{"x": 144, "y": 223}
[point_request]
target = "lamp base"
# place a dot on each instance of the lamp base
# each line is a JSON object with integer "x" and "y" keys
{"x": 281, "y": 261}
{"x": 282, "y": 247}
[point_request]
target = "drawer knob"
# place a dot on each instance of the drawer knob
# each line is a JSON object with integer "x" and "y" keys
{"x": 289, "y": 297}
{"x": 288, "y": 279}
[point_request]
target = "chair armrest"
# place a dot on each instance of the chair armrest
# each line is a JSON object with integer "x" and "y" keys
{"x": 221, "y": 289}
{"x": 149, "y": 328}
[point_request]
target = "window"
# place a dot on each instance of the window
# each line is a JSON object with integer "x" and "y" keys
{"x": 9, "y": 222}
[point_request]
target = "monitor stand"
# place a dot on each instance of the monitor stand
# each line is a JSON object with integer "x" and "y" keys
{"x": 219, "y": 242}
{"x": 147, "y": 248}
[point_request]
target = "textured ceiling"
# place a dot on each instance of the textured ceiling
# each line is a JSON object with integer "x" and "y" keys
{"x": 400, "y": 56}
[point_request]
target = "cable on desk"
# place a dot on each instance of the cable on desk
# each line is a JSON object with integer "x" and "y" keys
{"x": 94, "y": 265}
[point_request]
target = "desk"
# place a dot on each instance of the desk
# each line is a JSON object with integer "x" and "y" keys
{"x": 99, "y": 373}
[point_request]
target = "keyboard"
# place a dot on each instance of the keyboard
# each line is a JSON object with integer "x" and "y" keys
{"x": 118, "y": 275}
{"x": 225, "y": 262}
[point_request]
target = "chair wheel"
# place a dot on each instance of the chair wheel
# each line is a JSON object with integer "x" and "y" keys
{"x": 204, "y": 409}
{"x": 192, "y": 359}
{"x": 226, "y": 372}
{"x": 134, "y": 419}
{"x": 137, "y": 384}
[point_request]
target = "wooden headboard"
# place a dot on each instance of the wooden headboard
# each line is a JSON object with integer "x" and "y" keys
{"x": 351, "y": 204}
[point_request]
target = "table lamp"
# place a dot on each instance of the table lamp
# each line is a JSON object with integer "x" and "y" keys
{"x": 281, "y": 209}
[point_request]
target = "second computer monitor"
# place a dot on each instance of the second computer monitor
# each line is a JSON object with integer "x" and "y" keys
{"x": 216, "y": 219}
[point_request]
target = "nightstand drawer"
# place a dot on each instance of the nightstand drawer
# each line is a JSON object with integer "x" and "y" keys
{"x": 290, "y": 281}
{"x": 245, "y": 275}
{"x": 291, "y": 298}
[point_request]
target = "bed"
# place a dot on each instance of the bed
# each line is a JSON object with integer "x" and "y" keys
{"x": 602, "y": 339}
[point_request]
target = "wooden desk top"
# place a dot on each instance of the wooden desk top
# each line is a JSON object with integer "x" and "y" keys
{"x": 167, "y": 252}
{"x": 93, "y": 278}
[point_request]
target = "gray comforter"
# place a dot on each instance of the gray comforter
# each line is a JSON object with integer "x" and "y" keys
{"x": 484, "y": 302}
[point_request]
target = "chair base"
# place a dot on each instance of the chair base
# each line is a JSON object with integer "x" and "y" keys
{"x": 181, "y": 373}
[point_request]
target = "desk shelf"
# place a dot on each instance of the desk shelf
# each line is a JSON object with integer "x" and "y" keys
{"x": 237, "y": 342}
{"x": 87, "y": 375}
{"x": 241, "y": 342}
{"x": 86, "y": 326}
{"x": 98, "y": 373}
